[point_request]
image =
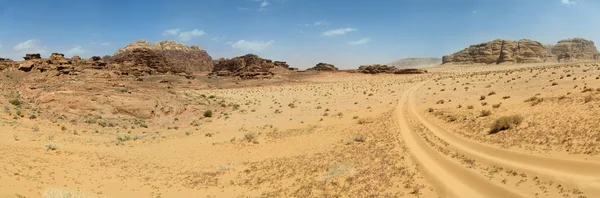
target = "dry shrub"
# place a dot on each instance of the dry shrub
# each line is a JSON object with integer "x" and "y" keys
{"x": 366, "y": 120}
{"x": 505, "y": 123}
{"x": 485, "y": 113}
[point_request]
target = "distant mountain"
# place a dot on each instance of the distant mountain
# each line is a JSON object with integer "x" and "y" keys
{"x": 415, "y": 62}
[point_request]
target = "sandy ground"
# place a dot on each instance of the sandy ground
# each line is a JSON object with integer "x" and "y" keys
{"x": 306, "y": 135}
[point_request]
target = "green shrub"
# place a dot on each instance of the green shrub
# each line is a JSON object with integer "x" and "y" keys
{"x": 208, "y": 113}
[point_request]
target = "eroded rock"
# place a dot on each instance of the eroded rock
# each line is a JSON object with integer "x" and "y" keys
{"x": 324, "y": 67}
{"x": 501, "y": 51}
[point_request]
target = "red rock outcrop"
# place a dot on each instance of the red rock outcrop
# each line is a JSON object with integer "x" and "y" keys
{"x": 188, "y": 58}
{"x": 249, "y": 66}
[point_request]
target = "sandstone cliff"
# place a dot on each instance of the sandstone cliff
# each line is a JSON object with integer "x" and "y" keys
{"x": 187, "y": 58}
{"x": 575, "y": 49}
{"x": 501, "y": 51}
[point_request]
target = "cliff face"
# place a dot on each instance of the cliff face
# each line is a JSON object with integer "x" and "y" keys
{"x": 501, "y": 51}
{"x": 575, "y": 49}
{"x": 187, "y": 58}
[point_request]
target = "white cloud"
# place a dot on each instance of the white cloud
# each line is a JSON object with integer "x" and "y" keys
{"x": 171, "y": 32}
{"x": 243, "y": 9}
{"x": 220, "y": 38}
{"x": 252, "y": 45}
{"x": 105, "y": 44}
{"x": 77, "y": 50}
{"x": 474, "y": 12}
{"x": 568, "y": 2}
{"x": 264, "y": 4}
{"x": 30, "y": 46}
{"x": 340, "y": 31}
{"x": 186, "y": 36}
{"x": 27, "y": 45}
{"x": 360, "y": 41}
{"x": 318, "y": 23}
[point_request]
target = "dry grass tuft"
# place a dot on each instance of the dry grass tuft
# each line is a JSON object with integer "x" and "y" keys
{"x": 505, "y": 123}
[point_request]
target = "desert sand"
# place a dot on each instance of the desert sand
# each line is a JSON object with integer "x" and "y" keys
{"x": 305, "y": 134}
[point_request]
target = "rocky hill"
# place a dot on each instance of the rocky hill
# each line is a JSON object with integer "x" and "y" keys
{"x": 386, "y": 69}
{"x": 186, "y": 58}
{"x": 249, "y": 66}
{"x": 415, "y": 62}
{"x": 501, "y": 51}
{"x": 324, "y": 67}
{"x": 575, "y": 49}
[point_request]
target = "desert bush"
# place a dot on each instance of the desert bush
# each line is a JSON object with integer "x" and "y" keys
{"x": 506, "y": 97}
{"x": 365, "y": 120}
{"x": 492, "y": 93}
{"x": 505, "y": 123}
{"x": 440, "y": 102}
{"x": 208, "y": 113}
{"x": 588, "y": 98}
{"x": 15, "y": 101}
{"x": 554, "y": 83}
{"x": 482, "y": 97}
{"x": 430, "y": 110}
{"x": 496, "y": 105}
{"x": 451, "y": 118}
{"x": 50, "y": 146}
{"x": 485, "y": 113}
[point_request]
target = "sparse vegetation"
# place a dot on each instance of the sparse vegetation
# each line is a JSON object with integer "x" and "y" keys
{"x": 485, "y": 113}
{"x": 366, "y": 120}
{"x": 505, "y": 123}
{"x": 208, "y": 113}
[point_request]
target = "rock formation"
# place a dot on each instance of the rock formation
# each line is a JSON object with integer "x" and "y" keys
{"x": 143, "y": 61}
{"x": 501, "y": 51}
{"x": 188, "y": 58}
{"x": 377, "y": 69}
{"x": 6, "y": 63}
{"x": 415, "y": 62}
{"x": 324, "y": 67}
{"x": 249, "y": 66}
{"x": 575, "y": 49}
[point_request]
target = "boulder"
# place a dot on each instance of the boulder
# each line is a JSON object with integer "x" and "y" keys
{"x": 501, "y": 51}
{"x": 324, "y": 67}
{"x": 32, "y": 56}
{"x": 26, "y": 66}
{"x": 58, "y": 59}
{"x": 75, "y": 58}
{"x": 188, "y": 58}
{"x": 575, "y": 49}
{"x": 249, "y": 66}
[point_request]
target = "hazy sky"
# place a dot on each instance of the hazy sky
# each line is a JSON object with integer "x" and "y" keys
{"x": 346, "y": 33}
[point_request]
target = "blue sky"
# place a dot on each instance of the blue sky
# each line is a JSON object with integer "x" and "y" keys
{"x": 347, "y": 33}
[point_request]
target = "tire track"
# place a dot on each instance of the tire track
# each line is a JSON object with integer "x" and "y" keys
{"x": 449, "y": 177}
{"x": 581, "y": 174}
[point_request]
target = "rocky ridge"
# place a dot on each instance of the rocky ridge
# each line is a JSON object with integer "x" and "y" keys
{"x": 501, "y": 51}
{"x": 323, "y": 67}
{"x": 249, "y": 66}
{"x": 575, "y": 49}
{"x": 386, "y": 69}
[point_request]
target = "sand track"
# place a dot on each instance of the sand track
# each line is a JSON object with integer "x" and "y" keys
{"x": 580, "y": 174}
{"x": 450, "y": 178}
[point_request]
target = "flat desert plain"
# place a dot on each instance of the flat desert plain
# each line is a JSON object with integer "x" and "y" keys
{"x": 526, "y": 130}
